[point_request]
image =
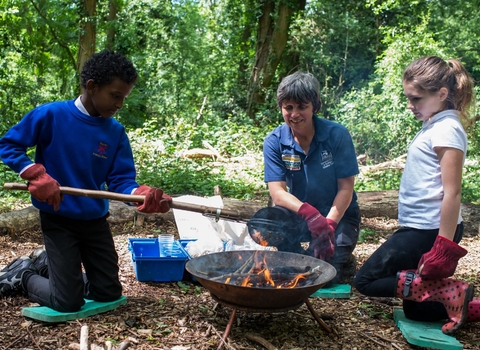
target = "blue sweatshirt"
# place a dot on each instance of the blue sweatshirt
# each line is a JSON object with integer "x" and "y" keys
{"x": 77, "y": 150}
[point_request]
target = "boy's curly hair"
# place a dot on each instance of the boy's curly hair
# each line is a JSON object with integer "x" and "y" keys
{"x": 104, "y": 66}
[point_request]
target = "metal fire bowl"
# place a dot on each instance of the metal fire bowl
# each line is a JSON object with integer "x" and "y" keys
{"x": 206, "y": 267}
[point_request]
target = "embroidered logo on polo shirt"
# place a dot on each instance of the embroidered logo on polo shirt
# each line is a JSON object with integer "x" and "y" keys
{"x": 327, "y": 159}
{"x": 101, "y": 150}
{"x": 292, "y": 161}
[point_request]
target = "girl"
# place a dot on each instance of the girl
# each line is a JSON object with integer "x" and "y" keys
{"x": 415, "y": 263}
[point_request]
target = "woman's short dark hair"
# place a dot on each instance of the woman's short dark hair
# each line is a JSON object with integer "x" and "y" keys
{"x": 104, "y": 66}
{"x": 299, "y": 87}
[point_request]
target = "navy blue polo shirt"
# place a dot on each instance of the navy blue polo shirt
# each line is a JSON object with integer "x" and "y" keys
{"x": 312, "y": 177}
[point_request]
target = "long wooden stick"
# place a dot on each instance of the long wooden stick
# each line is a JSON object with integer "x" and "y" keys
{"x": 221, "y": 213}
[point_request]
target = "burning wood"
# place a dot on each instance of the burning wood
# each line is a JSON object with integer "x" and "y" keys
{"x": 255, "y": 273}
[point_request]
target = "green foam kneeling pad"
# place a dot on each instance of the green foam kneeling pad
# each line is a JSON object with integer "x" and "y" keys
{"x": 45, "y": 314}
{"x": 425, "y": 334}
{"x": 336, "y": 291}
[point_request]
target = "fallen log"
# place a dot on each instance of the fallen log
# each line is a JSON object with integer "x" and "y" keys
{"x": 372, "y": 204}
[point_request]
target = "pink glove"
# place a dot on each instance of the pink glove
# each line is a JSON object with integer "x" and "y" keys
{"x": 322, "y": 230}
{"x": 155, "y": 200}
{"x": 42, "y": 186}
{"x": 441, "y": 261}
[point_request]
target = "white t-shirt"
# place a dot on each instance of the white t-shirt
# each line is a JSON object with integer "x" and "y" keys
{"x": 421, "y": 190}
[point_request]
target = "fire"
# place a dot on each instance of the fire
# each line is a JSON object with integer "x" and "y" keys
{"x": 257, "y": 237}
{"x": 293, "y": 283}
{"x": 256, "y": 273}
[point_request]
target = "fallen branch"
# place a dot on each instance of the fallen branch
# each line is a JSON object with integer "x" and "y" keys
{"x": 33, "y": 339}
{"x": 318, "y": 319}
{"x": 15, "y": 341}
{"x": 84, "y": 338}
{"x": 397, "y": 163}
{"x": 223, "y": 342}
{"x": 258, "y": 339}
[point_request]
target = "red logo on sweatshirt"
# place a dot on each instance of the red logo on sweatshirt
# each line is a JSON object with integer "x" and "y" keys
{"x": 101, "y": 150}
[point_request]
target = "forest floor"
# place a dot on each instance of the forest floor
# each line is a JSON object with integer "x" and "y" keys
{"x": 184, "y": 316}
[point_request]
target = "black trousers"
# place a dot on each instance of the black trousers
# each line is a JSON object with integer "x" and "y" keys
{"x": 402, "y": 251}
{"x": 70, "y": 244}
{"x": 346, "y": 238}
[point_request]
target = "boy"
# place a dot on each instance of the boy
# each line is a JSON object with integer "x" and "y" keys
{"x": 78, "y": 144}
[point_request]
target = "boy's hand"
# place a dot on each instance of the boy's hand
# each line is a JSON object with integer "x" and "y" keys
{"x": 42, "y": 186}
{"x": 322, "y": 230}
{"x": 441, "y": 261}
{"x": 155, "y": 200}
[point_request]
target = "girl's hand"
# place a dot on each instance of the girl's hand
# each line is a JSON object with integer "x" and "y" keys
{"x": 442, "y": 260}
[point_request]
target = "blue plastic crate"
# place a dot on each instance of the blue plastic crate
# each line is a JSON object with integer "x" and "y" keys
{"x": 183, "y": 243}
{"x": 150, "y": 267}
{"x": 187, "y": 276}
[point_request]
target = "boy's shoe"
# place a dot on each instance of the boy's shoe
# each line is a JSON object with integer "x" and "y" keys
{"x": 11, "y": 275}
{"x": 40, "y": 261}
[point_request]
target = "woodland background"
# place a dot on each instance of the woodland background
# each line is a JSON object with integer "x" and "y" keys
{"x": 209, "y": 70}
{"x": 197, "y": 118}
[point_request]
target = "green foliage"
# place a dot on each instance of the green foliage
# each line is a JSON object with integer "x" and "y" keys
{"x": 376, "y": 312}
{"x": 11, "y": 200}
{"x": 380, "y": 181}
{"x": 376, "y": 115}
{"x": 470, "y": 183}
{"x": 184, "y": 288}
{"x": 36, "y": 48}
{"x": 161, "y": 162}
{"x": 195, "y": 60}
{"x": 367, "y": 235}
{"x": 336, "y": 41}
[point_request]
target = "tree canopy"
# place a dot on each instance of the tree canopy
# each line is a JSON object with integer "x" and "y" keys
{"x": 209, "y": 69}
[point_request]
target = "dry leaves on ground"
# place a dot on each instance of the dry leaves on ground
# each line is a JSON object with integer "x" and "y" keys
{"x": 183, "y": 316}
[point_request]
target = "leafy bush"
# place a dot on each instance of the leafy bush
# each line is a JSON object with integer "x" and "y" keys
{"x": 381, "y": 181}
{"x": 237, "y": 168}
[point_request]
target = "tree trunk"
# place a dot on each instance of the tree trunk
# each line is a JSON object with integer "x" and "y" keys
{"x": 112, "y": 16}
{"x": 372, "y": 204}
{"x": 87, "y": 40}
{"x": 272, "y": 38}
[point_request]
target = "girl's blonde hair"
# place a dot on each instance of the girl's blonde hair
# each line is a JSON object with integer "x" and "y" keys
{"x": 431, "y": 73}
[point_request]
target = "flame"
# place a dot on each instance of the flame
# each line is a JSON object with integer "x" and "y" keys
{"x": 268, "y": 277}
{"x": 260, "y": 268}
{"x": 257, "y": 237}
{"x": 245, "y": 282}
{"x": 293, "y": 284}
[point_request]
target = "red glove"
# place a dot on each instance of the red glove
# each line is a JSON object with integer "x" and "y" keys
{"x": 42, "y": 186}
{"x": 322, "y": 247}
{"x": 322, "y": 230}
{"x": 441, "y": 261}
{"x": 155, "y": 200}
